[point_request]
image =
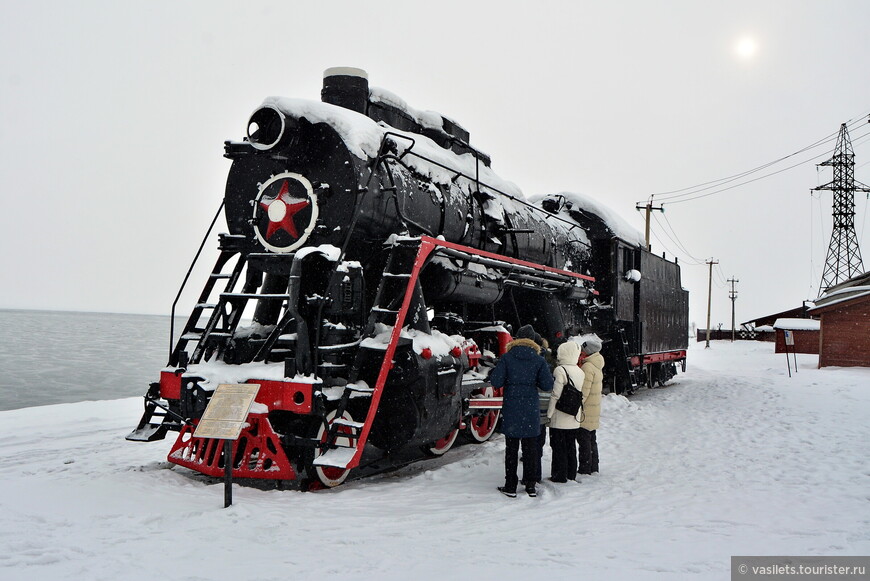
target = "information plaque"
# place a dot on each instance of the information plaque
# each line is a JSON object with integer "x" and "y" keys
{"x": 227, "y": 411}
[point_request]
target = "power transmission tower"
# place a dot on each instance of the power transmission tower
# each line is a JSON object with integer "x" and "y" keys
{"x": 844, "y": 256}
{"x": 649, "y": 208}
{"x": 711, "y": 262}
{"x": 732, "y": 294}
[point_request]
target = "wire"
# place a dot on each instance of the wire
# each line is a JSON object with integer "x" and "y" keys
{"x": 864, "y": 219}
{"x": 676, "y": 241}
{"x": 683, "y": 246}
{"x": 722, "y": 278}
{"x": 674, "y": 196}
{"x": 661, "y": 242}
{"x": 746, "y": 182}
{"x": 728, "y": 179}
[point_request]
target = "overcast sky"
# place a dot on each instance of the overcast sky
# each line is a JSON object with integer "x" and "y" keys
{"x": 114, "y": 116}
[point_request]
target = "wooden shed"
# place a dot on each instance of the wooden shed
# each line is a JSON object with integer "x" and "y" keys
{"x": 761, "y": 329}
{"x": 845, "y": 331}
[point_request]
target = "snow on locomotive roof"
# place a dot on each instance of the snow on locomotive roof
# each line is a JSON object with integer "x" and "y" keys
{"x": 617, "y": 224}
{"x": 429, "y": 119}
{"x": 363, "y": 137}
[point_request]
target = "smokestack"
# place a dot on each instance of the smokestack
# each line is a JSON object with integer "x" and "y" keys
{"x": 346, "y": 87}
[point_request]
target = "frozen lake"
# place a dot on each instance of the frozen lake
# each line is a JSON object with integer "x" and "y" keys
{"x": 49, "y": 357}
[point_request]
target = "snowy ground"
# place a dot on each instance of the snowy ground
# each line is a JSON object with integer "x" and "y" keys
{"x": 733, "y": 458}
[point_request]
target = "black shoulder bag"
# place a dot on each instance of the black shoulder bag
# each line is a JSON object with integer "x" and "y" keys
{"x": 571, "y": 399}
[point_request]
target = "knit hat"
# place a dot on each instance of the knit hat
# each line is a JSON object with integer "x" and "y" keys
{"x": 591, "y": 345}
{"x": 526, "y": 332}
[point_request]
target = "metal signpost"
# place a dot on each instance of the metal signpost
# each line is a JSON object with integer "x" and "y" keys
{"x": 224, "y": 418}
{"x": 789, "y": 342}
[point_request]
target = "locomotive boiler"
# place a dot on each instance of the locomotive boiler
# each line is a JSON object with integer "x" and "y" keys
{"x": 372, "y": 272}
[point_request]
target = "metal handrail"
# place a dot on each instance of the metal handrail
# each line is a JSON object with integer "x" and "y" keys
{"x": 187, "y": 276}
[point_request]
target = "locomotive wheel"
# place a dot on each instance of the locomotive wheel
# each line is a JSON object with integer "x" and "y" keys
{"x": 651, "y": 374}
{"x": 441, "y": 446}
{"x": 331, "y": 476}
{"x": 480, "y": 427}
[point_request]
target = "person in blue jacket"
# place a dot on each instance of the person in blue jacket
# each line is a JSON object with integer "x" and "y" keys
{"x": 521, "y": 371}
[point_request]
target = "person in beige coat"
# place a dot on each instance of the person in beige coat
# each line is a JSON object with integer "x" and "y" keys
{"x": 587, "y": 442}
{"x": 563, "y": 427}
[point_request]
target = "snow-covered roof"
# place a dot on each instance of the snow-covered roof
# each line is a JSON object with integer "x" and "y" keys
{"x": 797, "y": 324}
{"x": 854, "y": 288}
{"x": 858, "y": 287}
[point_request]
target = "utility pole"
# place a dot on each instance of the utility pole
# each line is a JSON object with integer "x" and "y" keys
{"x": 649, "y": 208}
{"x": 711, "y": 262}
{"x": 732, "y": 294}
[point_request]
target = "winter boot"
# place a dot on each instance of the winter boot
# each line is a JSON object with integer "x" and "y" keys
{"x": 507, "y": 492}
{"x": 530, "y": 490}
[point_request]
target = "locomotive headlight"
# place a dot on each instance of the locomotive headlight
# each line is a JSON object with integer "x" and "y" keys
{"x": 633, "y": 275}
{"x": 268, "y": 127}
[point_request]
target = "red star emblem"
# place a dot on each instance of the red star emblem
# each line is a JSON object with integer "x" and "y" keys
{"x": 281, "y": 211}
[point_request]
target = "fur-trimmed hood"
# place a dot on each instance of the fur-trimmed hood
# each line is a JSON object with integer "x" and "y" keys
{"x": 524, "y": 343}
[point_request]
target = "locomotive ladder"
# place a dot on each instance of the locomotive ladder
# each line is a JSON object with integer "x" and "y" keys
{"x": 211, "y": 338}
{"x": 391, "y": 306}
{"x": 149, "y": 430}
{"x": 629, "y": 372}
{"x": 226, "y": 310}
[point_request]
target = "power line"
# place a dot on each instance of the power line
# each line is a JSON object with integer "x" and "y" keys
{"x": 728, "y": 179}
{"x": 826, "y": 139}
{"x": 675, "y": 195}
{"x": 720, "y": 281}
{"x": 675, "y": 240}
{"x": 683, "y": 246}
{"x": 815, "y": 157}
{"x": 668, "y": 249}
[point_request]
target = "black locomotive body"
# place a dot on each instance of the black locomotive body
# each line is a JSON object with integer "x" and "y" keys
{"x": 372, "y": 272}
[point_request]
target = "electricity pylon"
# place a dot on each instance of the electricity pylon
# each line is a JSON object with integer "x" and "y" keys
{"x": 844, "y": 256}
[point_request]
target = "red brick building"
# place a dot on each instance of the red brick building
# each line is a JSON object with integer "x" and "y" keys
{"x": 845, "y": 330}
{"x": 804, "y": 332}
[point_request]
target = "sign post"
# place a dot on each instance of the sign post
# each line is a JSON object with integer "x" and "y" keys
{"x": 223, "y": 419}
{"x": 789, "y": 342}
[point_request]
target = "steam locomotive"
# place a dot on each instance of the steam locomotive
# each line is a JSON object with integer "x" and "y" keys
{"x": 372, "y": 272}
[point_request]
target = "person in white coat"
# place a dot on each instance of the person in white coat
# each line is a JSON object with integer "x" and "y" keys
{"x": 563, "y": 427}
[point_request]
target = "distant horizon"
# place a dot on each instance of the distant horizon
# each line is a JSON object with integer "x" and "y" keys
{"x": 77, "y": 312}
{"x": 698, "y": 327}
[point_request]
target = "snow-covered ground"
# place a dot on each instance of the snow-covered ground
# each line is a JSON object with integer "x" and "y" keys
{"x": 732, "y": 458}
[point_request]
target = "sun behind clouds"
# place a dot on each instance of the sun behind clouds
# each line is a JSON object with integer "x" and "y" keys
{"x": 746, "y": 47}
